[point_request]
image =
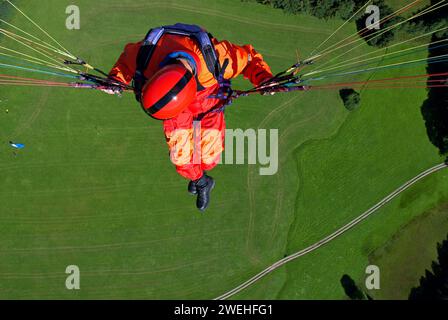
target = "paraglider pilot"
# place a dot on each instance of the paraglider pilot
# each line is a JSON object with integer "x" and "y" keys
{"x": 178, "y": 72}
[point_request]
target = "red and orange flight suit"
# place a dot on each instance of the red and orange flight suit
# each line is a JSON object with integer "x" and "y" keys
{"x": 182, "y": 138}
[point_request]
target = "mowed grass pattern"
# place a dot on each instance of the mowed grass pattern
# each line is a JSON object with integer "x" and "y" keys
{"x": 95, "y": 186}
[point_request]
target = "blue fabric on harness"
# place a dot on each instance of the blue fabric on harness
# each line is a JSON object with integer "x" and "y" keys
{"x": 178, "y": 55}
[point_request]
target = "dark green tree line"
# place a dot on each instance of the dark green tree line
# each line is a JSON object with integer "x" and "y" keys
{"x": 432, "y": 21}
{"x": 343, "y": 9}
{"x": 434, "y": 285}
{"x": 379, "y": 37}
{"x": 323, "y": 9}
{"x": 435, "y": 107}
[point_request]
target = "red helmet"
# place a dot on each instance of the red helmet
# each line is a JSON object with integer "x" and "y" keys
{"x": 169, "y": 92}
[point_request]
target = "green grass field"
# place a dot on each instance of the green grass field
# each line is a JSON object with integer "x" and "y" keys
{"x": 95, "y": 187}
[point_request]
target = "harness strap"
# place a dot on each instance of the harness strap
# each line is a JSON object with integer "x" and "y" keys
{"x": 150, "y": 43}
{"x": 224, "y": 93}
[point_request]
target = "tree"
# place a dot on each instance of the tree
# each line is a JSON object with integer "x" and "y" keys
{"x": 323, "y": 9}
{"x": 434, "y": 285}
{"x": 350, "y": 98}
{"x": 435, "y": 107}
{"x": 431, "y": 21}
{"x": 343, "y": 9}
{"x": 379, "y": 38}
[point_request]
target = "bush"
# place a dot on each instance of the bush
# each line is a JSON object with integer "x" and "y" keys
{"x": 350, "y": 98}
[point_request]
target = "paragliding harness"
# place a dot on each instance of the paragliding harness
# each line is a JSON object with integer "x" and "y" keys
{"x": 204, "y": 40}
{"x": 201, "y": 36}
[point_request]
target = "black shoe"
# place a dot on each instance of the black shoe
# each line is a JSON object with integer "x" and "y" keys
{"x": 204, "y": 186}
{"x": 192, "y": 188}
